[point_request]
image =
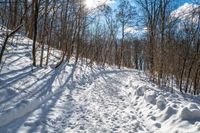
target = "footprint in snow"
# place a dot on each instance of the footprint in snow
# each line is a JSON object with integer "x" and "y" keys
{"x": 70, "y": 98}
{"x": 158, "y": 125}
{"x": 81, "y": 128}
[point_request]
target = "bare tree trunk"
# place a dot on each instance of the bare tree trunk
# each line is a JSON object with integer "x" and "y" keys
{"x": 44, "y": 31}
{"x": 196, "y": 80}
{"x": 35, "y": 31}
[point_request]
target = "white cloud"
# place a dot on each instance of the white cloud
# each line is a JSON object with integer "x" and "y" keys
{"x": 136, "y": 31}
{"x": 94, "y": 3}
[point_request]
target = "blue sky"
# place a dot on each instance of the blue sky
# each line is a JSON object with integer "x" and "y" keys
{"x": 114, "y": 3}
{"x": 176, "y": 3}
{"x": 181, "y": 2}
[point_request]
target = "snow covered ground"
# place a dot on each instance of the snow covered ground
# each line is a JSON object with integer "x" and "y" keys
{"x": 76, "y": 98}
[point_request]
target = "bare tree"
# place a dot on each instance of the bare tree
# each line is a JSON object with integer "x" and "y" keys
{"x": 125, "y": 16}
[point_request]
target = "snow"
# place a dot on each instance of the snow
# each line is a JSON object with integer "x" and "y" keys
{"x": 78, "y": 98}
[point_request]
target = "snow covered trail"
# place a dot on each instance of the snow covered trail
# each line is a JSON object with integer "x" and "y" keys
{"x": 104, "y": 100}
{"x": 102, "y": 105}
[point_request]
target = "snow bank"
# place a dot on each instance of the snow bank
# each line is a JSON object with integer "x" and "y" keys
{"x": 162, "y": 110}
{"x": 191, "y": 113}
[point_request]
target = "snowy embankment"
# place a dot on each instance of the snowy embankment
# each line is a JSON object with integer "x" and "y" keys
{"x": 77, "y": 98}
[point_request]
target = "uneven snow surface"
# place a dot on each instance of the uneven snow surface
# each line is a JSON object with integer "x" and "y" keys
{"x": 76, "y": 98}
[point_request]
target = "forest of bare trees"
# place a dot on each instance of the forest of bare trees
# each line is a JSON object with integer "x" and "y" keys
{"x": 170, "y": 55}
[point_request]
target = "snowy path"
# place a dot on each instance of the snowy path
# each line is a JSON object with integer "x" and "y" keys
{"x": 102, "y": 105}
{"x": 101, "y": 100}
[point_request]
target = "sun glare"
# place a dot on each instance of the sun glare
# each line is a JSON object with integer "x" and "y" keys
{"x": 90, "y": 4}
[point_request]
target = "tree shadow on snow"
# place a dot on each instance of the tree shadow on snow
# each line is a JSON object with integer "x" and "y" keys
{"x": 41, "y": 90}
